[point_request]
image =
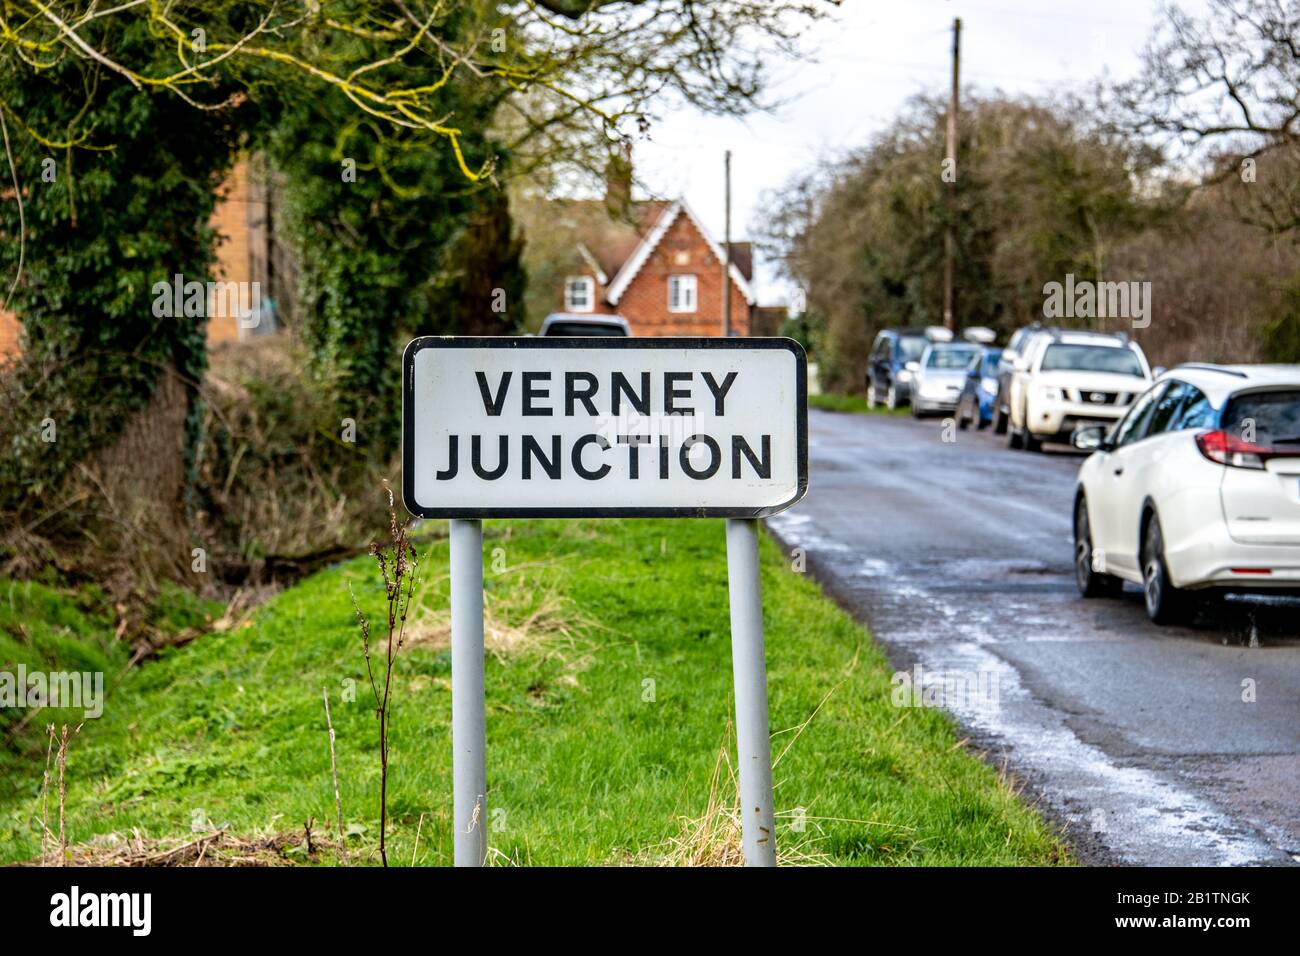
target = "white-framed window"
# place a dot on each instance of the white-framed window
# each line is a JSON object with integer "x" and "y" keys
{"x": 579, "y": 293}
{"x": 681, "y": 293}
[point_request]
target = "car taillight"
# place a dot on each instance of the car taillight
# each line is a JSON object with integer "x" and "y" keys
{"x": 1226, "y": 448}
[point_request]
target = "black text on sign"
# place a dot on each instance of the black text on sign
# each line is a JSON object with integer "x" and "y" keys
{"x": 514, "y": 427}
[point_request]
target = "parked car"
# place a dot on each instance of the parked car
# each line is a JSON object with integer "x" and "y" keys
{"x": 585, "y": 324}
{"x": 1015, "y": 348}
{"x": 939, "y": 376}
{"x": 975, "y": 406}
{"x": 888, "y": 378}
{"x": 1198, "y": 487}
{"x": 1068, "y": 379}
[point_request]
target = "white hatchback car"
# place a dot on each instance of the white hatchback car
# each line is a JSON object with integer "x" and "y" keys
{"x": 1198, "y": 487}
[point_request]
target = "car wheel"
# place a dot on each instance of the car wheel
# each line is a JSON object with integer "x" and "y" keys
{"x": 999, "y": 417}
{"x": 1032, "y": 443}
{"x": 916, "y": 412}
{"x": 891, "y": 397}
{"x": 1165, "y": 603}
{"x": 1092, "y": 583}
{"x": 871, "y": 395}
{"x": 1014, "y": 439}
{"x": 963, "y": 420}
{"x": 980, "y": 423}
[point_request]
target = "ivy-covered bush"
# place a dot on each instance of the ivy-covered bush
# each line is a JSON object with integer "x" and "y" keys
{"x": 391, "y": 238}
{"x": 118, "y": 185}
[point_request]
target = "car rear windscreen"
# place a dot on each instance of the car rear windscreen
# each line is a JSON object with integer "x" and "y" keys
{"x": 1265, "y": 418}
{"x": 1091, "y": 358}
{"x": 585, "y": 329}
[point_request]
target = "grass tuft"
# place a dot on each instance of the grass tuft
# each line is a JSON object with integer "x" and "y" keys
{"x": 715, "y": 837}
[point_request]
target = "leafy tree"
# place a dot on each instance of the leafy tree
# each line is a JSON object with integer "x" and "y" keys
{"x": 570, "y": 60}
{"x": 96, "y": 222}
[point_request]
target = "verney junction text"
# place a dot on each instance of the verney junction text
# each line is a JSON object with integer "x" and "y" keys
{"x": 533, "y": 427}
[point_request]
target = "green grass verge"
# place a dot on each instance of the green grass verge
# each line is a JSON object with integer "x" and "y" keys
{"x": 42, "y": 628}
{"x": 588, "y": 762}
{"x": 835, "y": 402}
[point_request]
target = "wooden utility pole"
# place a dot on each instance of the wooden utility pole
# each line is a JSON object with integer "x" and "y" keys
{"x": 949, "y": 242}
{"x": 726, "y": 258}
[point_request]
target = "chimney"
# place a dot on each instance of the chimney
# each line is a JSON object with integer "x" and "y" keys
{"x": 618, "y": 178}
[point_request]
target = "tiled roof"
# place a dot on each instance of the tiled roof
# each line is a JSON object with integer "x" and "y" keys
{"x": 611, "y": 234}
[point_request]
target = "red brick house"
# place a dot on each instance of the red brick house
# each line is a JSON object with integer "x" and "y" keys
{"x": 653, "y": 263}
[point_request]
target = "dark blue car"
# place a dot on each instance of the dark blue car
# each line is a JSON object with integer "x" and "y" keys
{"x": 981, "y": 390}
{"x": 889, "y": 380}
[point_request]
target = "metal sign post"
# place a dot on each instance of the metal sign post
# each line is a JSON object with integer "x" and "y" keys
{"x": 468, "y": 721}
{"x": 568, "y": 428}
{"x": 749, "y": 670}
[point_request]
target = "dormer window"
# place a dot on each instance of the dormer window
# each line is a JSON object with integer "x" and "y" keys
{"x": 579, "y": 294}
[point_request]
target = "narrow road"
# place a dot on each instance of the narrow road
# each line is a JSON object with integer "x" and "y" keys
{"x": 1151, "y": 746}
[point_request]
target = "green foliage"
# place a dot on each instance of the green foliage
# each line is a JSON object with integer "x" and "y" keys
{"x": 386, "y": 229}
{"x": 799, "y": 328}
{"x": 127, "y": 208}
{"x": 43, "y": 629}
{"x": 409, "y": 247}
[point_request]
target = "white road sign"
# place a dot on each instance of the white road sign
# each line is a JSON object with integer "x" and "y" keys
{"x": 667, "y": 427}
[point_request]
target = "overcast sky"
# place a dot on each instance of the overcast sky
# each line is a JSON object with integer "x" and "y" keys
{"x": 874, "y": 56}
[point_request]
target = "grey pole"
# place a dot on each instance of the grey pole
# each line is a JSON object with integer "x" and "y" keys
{"x": 468, "y": 723}
{"x": 753, "y": 744}
{"x": 726, "y": 259}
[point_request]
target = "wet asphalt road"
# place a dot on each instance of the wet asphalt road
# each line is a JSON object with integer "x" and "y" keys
{"x": 1134, "y": 738}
